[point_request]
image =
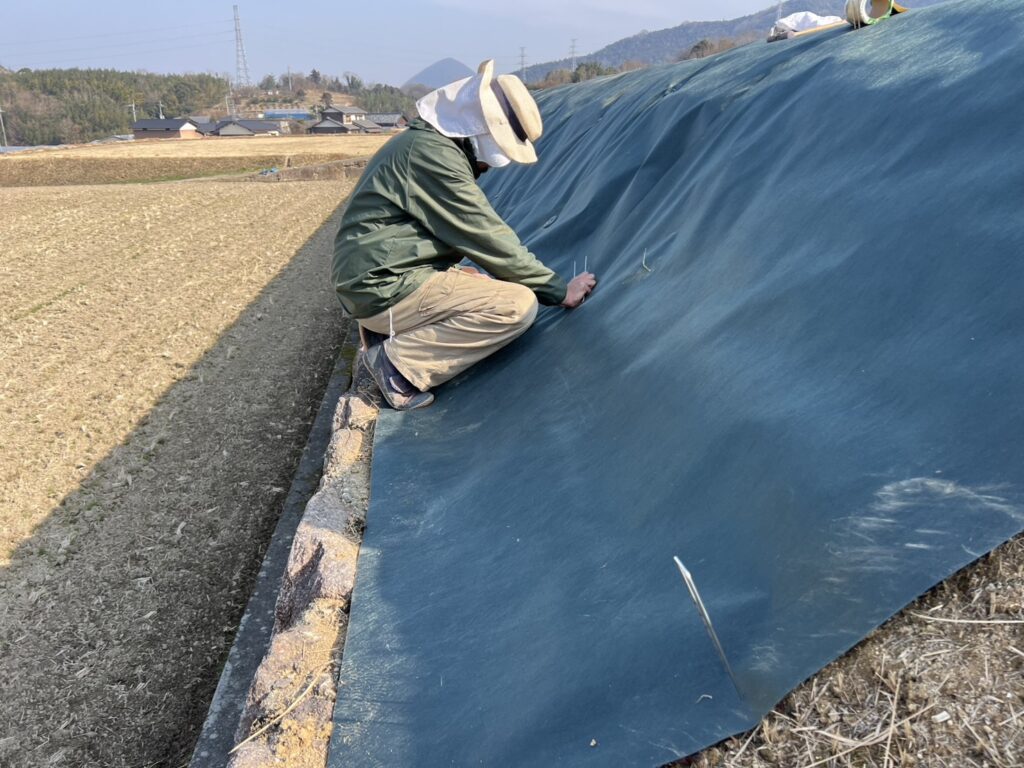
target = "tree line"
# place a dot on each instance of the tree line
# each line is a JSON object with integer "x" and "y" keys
{"x": 70, "y": 106}
{"x": 321, "y": 88}
{"x": 61, "y": 106}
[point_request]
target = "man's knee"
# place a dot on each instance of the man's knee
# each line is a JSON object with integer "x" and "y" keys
{"x": 525, "y": 305}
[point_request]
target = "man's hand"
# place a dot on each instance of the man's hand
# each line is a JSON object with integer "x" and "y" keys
{"x": 579, "y": 287}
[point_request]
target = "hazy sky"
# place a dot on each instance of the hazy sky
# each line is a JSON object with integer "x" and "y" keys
{"x": 384, "y": 41}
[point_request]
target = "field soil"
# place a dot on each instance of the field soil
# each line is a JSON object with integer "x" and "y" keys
{"x": 169, "y": 159}
{"x": 163, "y": 350}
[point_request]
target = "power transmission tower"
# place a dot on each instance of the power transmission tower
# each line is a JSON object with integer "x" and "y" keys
{"x": 3, "y": 131}
{"x": 160, "y": 109}
{"x": 522, "y": 63}
{"x": 778, "y": 13}
{"x": 242, "y": 78}
{"x": 572, "y": 54}
{"x": 135, "y": 118}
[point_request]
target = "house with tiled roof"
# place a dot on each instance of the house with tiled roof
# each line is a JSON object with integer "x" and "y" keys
{"x": 237, "y": 127}
{"x": 388, "y": 120}
{"x": 344, "y": 115}
{"x": 333, "y": 125}
{"x": 172, "y": 128}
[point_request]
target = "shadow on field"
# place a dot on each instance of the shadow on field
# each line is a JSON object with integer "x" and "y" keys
{"x": 117, "y": 614}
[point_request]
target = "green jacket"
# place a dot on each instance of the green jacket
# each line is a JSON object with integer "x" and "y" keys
{"x": 417, "y": 210}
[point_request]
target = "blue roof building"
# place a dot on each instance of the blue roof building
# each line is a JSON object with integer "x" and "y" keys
{"x": 287, "y": 114}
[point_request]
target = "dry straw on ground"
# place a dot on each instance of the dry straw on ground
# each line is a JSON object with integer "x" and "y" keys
{"x": 941, "y": 685}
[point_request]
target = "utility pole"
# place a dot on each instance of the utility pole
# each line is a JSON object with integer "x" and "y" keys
{"x": 3, "y": 131}
{"x": 572, "y": 55}
{"x": 289, "y": 78}
{"x": 522, "y": 63}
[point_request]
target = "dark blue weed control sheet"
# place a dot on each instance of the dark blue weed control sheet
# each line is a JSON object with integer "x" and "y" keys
{"x": 809, "y": 390}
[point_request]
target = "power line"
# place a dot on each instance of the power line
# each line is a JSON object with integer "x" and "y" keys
{"x": 134, "y": 32}
{"x": 147, "y": 43}
{"x": 77, "y": 59}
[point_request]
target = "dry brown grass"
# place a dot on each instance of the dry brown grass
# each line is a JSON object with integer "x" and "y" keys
{"x": 162, "y": 351}
{"x": 166, "y": 159}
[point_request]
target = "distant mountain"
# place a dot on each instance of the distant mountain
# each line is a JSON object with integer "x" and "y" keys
{"x": 665, "y": 44}
{"x": 440, "y": 73}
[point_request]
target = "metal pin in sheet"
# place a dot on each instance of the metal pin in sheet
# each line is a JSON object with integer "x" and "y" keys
{"x": 692, "y": 587}
{"x": 585, "y": 256}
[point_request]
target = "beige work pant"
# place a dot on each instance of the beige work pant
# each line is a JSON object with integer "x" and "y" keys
{"x": 452, "y": 321}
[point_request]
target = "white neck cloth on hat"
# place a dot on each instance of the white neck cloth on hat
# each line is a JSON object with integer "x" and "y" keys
{"x": 455, "y": 110}
{"x": 488, "y": 151}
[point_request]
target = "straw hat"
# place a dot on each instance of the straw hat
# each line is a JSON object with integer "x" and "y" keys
{"x": 497, "y": 110}
{"x": 510, "y": 112}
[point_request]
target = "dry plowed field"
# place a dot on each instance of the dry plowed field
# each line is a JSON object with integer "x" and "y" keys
{"x": 163, "y": 350}
{"x": 168, "y": 159}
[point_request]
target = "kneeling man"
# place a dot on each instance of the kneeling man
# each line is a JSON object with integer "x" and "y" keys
{"x": 415, "y": 214}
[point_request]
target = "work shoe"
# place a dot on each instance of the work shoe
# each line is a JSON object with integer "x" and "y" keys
{"x": 397, "y": 390}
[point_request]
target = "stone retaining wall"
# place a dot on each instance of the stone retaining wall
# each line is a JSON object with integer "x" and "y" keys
{"x": 291, "y": 702}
